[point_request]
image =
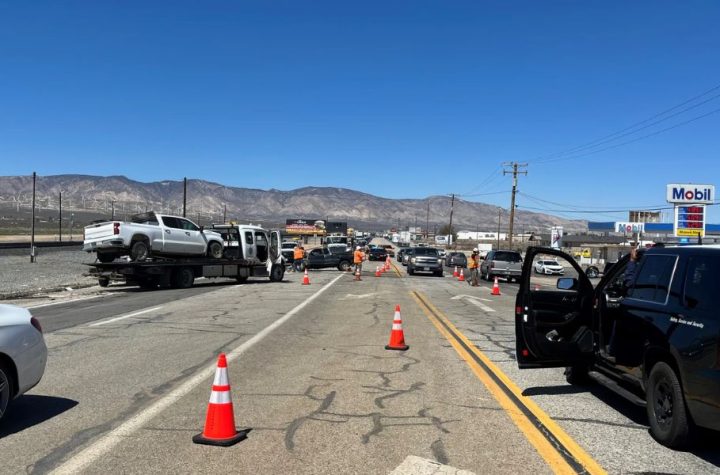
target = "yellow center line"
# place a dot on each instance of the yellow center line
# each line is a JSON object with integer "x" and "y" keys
{"x": 397, "y": 271}
{"x": 562, "y": 454}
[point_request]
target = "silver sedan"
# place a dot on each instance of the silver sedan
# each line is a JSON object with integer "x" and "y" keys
{"x": 23, "y": 353}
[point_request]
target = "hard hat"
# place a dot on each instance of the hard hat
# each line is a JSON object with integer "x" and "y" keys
{"x": 475, "y": 250}
{"x": 359, "y": 247}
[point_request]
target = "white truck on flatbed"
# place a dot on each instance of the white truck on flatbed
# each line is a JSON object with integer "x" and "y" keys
{"x": 150, "y": 234}
{"x": 248, "y": 251}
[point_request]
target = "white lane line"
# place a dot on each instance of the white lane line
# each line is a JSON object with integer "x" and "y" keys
{"x": 104, "y": 444}
{"x": 105, "y": 322}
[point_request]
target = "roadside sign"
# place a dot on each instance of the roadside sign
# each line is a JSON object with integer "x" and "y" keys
{"x": 690, "y": 220}
{"x": 690, "y": 194}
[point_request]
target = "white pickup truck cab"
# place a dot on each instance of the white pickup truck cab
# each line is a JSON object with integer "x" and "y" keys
{"x": 151, "y": 234}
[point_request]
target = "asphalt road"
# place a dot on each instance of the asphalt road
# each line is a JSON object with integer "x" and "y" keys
{"x": 129, "y": 376}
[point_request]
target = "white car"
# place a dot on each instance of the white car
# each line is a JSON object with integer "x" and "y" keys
{"x": 23, "y": 353}
{"x": 549, "y": 268}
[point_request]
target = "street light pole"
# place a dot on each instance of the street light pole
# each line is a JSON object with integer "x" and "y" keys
{"x": 498, "y": 231}
{"x": 32, "y": 226}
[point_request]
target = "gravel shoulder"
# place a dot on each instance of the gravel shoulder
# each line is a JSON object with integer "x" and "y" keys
{"x": 54, "y": 270}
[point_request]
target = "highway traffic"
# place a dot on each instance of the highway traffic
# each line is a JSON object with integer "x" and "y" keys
{"x": 129, "y": 374}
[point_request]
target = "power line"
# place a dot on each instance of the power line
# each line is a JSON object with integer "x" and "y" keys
{"x": 637, "y": 139}
{"x": 624, "y": 132}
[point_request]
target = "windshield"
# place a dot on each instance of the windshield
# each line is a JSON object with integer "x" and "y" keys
{"x": 507, "y": 256}
{"x": 425, "y": 251}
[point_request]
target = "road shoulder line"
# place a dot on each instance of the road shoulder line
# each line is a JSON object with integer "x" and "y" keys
{"x": 554, "y": 445}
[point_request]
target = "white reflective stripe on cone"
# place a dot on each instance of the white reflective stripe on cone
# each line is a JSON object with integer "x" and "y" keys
{"x": 397, "y": 326}
{"x": 221, "y": 377}
{"x": 397, "y": 316}
{"x": 220, "y": 397}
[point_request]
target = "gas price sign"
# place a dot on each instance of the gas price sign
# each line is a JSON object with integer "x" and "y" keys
{"x": 690, "y": 220}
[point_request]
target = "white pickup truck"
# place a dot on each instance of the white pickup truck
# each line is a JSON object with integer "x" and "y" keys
{"x": 151, "y": 234}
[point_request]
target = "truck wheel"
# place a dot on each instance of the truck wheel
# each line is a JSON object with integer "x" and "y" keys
{"x": 666, "y": 411}
{"x": 214, "y": 250}
{"x": 105, "y": 257}
{"x": 577, "y": 375}
{"x": 148, "y": 283}
{"x": 139, "y": 251}
{"x": 103, "y": 281}
{"x": 344, "y": 266}
{"x": 277, "y": 272}
{"x": 182, "y": 278}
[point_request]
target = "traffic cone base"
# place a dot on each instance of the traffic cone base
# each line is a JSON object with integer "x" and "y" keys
{"x": 238, "y": 437}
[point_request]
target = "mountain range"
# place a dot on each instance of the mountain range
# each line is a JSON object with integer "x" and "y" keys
{"x": 270, "y": 207}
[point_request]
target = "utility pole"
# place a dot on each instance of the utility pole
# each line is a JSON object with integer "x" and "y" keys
{"x": 32, "y": 226}
{"x": 514, "y": 172}
{"x": 60, "y": 216}
{"x": 498, "y": 231}
{"x": 185, "y": 196}
{"x": 452, "y": 205}
{"x": 224, "y": 212}
{"x": 112, "y": 210}
{"x": 427, "y": 221}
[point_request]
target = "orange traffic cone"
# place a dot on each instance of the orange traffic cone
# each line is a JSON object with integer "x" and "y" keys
{"x": 377, "y": 271}
{"x": 462, "y": 276}
{"x": 455, "y": 272}
{"x": 397, "y": 337}
{"x": 496, "y": 287}
{"x": 220, "y": 421}
{"x": 357, "y": 274}
{"x": 306, "y": 278}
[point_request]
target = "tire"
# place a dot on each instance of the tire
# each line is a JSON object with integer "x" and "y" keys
{"x": 103, "y": 281}
{"x": 487, "y": 276}
{"x": 214, "y": 250}
{"x": 277, "y": 272}
{"x": 410, "y": 271}
{"x": 667, "y": 414}
{"x": 439, "y": 274}
{"x": 6, "y": 389}
{"x": 139, "y": 251}
{"x": 182, "y": 278}
{"x": 344, "y": 266}
{"x": 105, "y": 257}
{"x": 577, "y": 375}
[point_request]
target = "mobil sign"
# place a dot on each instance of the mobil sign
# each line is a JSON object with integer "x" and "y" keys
{"x": 688, "y": 193}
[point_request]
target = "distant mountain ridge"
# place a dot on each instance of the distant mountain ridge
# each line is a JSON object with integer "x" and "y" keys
{"x": 269, "y": 206}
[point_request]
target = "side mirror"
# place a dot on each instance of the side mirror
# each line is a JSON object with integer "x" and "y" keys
{"x": 567, "y": 283}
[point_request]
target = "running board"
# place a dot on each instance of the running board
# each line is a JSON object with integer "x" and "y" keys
{"x": 612, "y": 385}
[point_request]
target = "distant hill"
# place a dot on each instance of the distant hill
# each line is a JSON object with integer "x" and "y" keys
{"x": 206, "y": 201}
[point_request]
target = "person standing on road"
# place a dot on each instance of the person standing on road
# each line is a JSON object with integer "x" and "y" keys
{"x": 474, "y": 265}
{"x": 298, "y": 255}
{"x": 358, "y": 258}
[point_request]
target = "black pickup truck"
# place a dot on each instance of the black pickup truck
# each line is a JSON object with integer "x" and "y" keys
{"x": 322, "y": 258}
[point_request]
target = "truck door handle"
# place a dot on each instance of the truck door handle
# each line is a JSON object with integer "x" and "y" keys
{"x": 187, "y": 233}
{"x": 167, "y": 231}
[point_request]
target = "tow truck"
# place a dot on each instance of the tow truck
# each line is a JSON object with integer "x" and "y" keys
{"x": 248, "y": 251}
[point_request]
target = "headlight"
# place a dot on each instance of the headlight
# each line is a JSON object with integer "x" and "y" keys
{"x": 412, "y": 260}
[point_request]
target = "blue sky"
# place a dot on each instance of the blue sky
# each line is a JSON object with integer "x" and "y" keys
{"x": 394, "y": 98}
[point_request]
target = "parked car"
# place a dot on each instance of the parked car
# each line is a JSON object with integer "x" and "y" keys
{"x": 549, "y": 267}
{"x": 389, "y": 249}
{"x": 407, "y": 255}
{"x": 458, "y": 259}
{"x": 651, "y": 335}
{"x": 506, "y": 264}
{"x": 425, "y": 259}
{"x": 151, "y": 234}
{"x": 321, "y": 258}
{"x": 377, "y": 254}
{"x": 287, "y": 249}
{"x": 23, "y": 354}
{"x": 401, "y": 252}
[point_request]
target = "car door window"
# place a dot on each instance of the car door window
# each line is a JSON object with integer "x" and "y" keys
{"x": 701, "y": 284}
{"x": 654, "y": 278}
{"x": 187, "y": 225}
{"x": 248, "y": 237}
{"x": 171, "y": 222}
{"x": 316, "y": 252}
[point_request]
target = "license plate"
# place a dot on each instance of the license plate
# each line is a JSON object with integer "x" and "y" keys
{"x": 426, "y": 268}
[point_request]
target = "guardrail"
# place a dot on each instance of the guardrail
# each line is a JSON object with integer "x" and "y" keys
{"x": 26, "y": 244}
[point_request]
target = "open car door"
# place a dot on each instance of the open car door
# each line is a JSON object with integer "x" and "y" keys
{"x": 553, "y": 311}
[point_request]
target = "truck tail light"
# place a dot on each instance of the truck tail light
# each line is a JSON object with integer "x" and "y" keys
{"x": 36, "y": 323}
{"x": 116, "y": 228}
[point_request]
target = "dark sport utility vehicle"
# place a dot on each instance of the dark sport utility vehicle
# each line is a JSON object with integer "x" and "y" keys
{"x": 651, "y": 336}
